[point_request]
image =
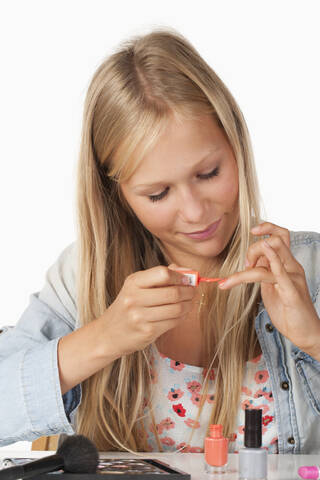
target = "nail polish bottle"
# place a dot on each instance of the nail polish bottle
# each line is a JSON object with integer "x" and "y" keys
{"x": 215, "y": 450}
{"x": 194, "y": 277}
{"x": 253, "y": 460}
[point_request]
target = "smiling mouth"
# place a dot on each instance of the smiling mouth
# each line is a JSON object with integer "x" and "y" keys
{"x": 202, "y": 235}
{"x": 205, "y": 229}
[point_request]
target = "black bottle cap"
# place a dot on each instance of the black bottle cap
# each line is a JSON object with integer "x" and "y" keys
{"x": 253, "y": 428}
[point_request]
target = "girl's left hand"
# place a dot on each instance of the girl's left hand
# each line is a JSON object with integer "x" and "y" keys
{"x": 284, "y": 288}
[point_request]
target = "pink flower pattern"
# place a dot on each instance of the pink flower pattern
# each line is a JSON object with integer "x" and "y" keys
{"x": 261, "y": 376}
{"x": 211, "y": 374}
{"x": 263, "y": 393}
{"x": 159, "y": 428}
{"x": 167, "y": 423}
{"x": 192, "y": 423}
{"x": 246, "y": 390}
{"x": 210, "y": 398}
{"x": 257, "y": 359}
{"x": 196, "y": 398}
{"x": 176, "y": 409}
{"x": 194, "y": 387}
{"x": 248, "y": 403}
{"x": 167, "y": 441}
{"x": 176, "y": 365}
{"x": 175, "y": 394}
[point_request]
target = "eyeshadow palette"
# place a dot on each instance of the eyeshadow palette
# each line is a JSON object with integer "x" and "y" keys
{"x": 129, "y": 468}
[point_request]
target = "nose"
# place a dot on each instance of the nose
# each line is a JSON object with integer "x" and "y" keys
{"x": 192, "y": 206}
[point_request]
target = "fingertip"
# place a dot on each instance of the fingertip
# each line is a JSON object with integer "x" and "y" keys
{"x": 172, "y": 266}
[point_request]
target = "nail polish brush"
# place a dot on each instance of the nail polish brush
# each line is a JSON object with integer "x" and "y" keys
{"x": 195, "y": 278}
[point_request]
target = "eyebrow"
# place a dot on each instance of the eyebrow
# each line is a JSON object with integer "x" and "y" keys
{"x": 155, "y": 184}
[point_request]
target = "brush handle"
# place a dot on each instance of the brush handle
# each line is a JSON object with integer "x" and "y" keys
{"x": 194, "y": 277}
{"x": 205, "y": 279}
{"x": 30, "y": 469}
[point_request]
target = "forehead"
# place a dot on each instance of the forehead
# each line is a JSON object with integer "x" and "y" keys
{"x": 183, "y": 143}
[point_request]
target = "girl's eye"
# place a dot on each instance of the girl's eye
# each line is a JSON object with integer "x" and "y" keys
{"x": 213, "y": 173}
{"x": 204, "y": 176}
{"x": 155, "y": 198}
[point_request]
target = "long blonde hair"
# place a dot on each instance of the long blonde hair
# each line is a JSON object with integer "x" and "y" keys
{"x": 130, "y": 100}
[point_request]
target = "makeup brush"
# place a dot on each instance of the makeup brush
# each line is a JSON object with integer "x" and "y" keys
{"x": 77, "y": 454}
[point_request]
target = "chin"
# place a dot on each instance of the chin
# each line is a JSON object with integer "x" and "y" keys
{"x": 209, "y": 252}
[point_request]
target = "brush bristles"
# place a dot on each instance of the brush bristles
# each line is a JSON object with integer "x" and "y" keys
{"x": 80, "y": 454}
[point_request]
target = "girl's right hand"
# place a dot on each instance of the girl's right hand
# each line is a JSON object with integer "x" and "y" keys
{"x": 150, "y": 303}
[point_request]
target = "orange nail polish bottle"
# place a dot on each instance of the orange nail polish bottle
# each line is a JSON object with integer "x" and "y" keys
{"x": 215, "y": 450}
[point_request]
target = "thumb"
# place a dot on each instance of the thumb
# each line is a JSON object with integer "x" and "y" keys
{"x": 173, "y": 266}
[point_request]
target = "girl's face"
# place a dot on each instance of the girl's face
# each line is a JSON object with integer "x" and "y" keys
{"x": 186, "y": 183}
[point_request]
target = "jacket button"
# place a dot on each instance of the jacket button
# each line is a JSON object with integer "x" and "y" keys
{"x": 291, "y": 440}
{"x": 285, "y": 386}
{"x": 269, "y": 327}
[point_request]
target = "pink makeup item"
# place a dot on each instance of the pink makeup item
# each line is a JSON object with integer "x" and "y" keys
{"x": 194, "y": 277}
{"x": 215, "y": 450}
{"x": 309, "y": 472}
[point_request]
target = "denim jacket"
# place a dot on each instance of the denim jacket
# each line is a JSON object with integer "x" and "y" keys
{"x": 31, "y": 403}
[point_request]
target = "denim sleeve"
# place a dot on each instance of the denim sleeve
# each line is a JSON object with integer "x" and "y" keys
{"x": 31, "y": 401}
{"x": 308, "y": 367}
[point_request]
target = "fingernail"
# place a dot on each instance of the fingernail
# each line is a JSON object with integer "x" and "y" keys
{"x": 255, "y": 229}
{"x": 223, "y": 283}
{"x": 247, "y": 263}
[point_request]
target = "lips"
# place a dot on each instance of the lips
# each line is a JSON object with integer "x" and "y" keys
{"x": 205, "y": 230}
{"x": 203, "y": 234}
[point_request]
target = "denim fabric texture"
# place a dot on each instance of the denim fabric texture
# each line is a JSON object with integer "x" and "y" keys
{"x": 30, "y": 395}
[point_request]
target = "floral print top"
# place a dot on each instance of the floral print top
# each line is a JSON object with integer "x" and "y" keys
{"x": 176, "y": 394}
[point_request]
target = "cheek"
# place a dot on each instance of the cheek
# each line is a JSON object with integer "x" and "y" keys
{"x": 230, "y": 189}
{"x": 156, "y": 218}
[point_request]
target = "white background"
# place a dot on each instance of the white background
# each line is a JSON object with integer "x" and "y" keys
{"x": 266, "y": 52}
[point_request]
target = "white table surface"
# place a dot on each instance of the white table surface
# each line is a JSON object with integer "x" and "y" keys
{"x": 280, "y": 467}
